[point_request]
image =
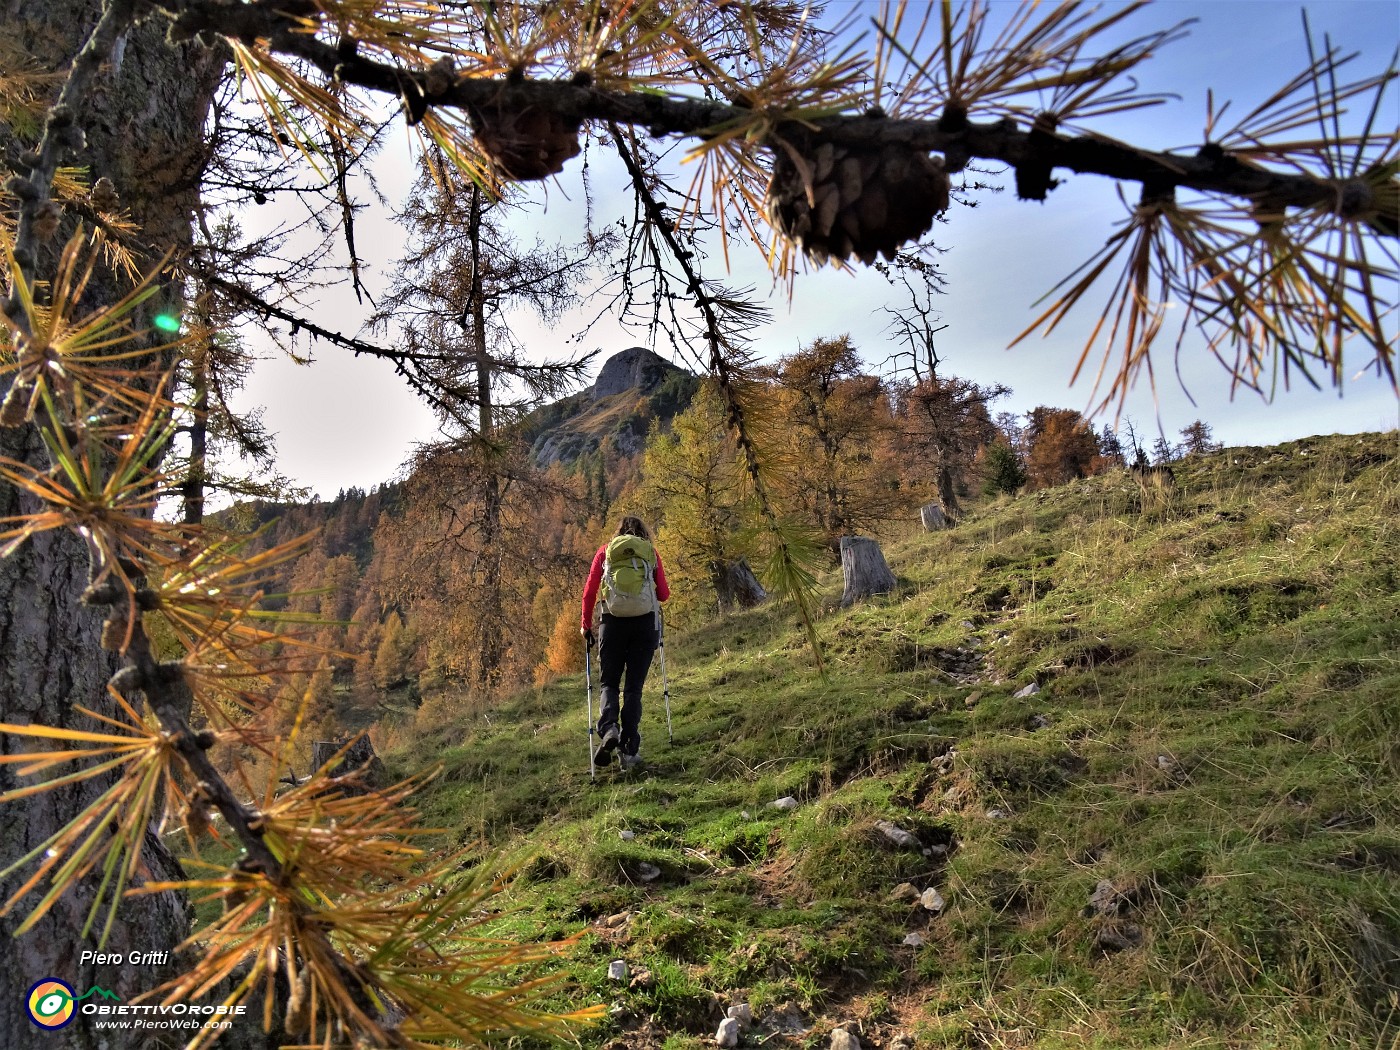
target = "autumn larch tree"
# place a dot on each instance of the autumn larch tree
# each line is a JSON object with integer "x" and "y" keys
{"x": 453, "y": 302}
{"x": 693, "y": 484}
{"x": 838, "y": 419}
{"x": 141, "y": 132}
{"x": 1063, "y": 446}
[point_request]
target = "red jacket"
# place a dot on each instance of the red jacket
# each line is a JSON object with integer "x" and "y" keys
{"x": 595, "y": 580}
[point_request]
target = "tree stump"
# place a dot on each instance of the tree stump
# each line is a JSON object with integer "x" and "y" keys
{"x": 360, "y": 758}
{"x": 736, "y": 586}
{"x": 933, "y": 518}
{"x": 864, "y": 569}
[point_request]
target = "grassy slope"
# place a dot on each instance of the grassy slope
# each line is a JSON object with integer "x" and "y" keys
{"x": 1218, "y": 735}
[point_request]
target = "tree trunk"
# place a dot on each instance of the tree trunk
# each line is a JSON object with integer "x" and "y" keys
{"x": 864, "y": 569}
{"x": 947, "y": 491}
{"x": 735, "y": 585}
{"x": 491, "y": 615}
{"x": 143, "y": 129}
{"x": 360, "y": 757}
{"x": 933, "y": 517}
{"x": 193, "y": 489}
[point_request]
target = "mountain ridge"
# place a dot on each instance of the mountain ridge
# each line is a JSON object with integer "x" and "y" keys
{"x": 634, "y": 387}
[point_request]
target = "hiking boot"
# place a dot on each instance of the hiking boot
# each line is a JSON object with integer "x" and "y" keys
{"x": 604, "y": 753}
{"x": 631, "y": 761}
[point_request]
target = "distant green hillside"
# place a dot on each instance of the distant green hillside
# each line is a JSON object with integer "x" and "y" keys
{"x": 1187, "y": 835}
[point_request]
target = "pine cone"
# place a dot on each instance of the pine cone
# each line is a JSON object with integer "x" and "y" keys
{"x": 526, "y": 144}
{"x": 14, "y": 409}
{"x": 103, "y": 195}
{"x": 852, "y": 201}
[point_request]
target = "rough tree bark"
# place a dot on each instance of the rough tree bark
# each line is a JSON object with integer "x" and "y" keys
{"x": 143, "y": 130}
{"x": 735, "y": 585}
{"x": 933, "y": 518}
{"x": 864, "y": 569}
{"x": 361, "y": 759}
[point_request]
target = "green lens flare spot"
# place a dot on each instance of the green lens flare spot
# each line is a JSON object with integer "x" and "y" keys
{"x": 166, "y": 322}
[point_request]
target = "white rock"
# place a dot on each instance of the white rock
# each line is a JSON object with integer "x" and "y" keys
{"x": 905, "y": 891}
{"x": 1029, "y": 691}
{"x": 844, "y": 1040}
{"x": 627, "y": 836}
{"x": 786, "y": 802}
{"x": 728, "y": 1034}
{"x": 915, "y": 940}
{"x": 741, "y": 1012}
{"x": 617, "y": 970}
{"x": 996, "y": 814}
{"x": 897, "y": 835}
{"x": 648, "y": 872}
{"x": 932, "y": 900}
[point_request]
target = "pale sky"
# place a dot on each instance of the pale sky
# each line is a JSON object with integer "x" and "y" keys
{"x": 343, "y": 422}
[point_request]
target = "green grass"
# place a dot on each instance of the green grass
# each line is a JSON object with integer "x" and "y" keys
{"x": 1218, "y": 735}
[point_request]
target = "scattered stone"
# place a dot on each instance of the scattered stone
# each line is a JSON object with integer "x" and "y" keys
{"x": 932, "y": 900}
{"x": 971, "y": 699}
{"x": 1117, "y": 938}
{"x": 902, "y": 1042}
{"x": 1037, "y": 722}
{"x": 1105, "y": 900}
{"x": 997, "y": 814}
{"x": 968, "y": 625}
{"x": 612, "y": 922}
{"x": 786, "y": 802}
{"x": 728, "y": 1034}
{"x": 905, "y": 891}
{"x": 741, "y": 1012}
{"x": 914, "y": 940}
{"x": 938, "y": 850}
{"x": 627, "y": 836}
{"x": 648, "y": 872}
{"x": 617, "y": 970}
{"x": 897, "y": 835}
{"x": 844, "y": 1040}
{"x": 1029, "y": 691}
{"x": 745, "y": 814}
{"x": 1166, "y": 763}
{"x": 642, "y": 979}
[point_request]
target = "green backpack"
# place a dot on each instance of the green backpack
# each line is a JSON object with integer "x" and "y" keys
{"x": 629, "y": 577}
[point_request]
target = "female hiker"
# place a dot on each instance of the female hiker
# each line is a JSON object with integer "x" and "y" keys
{"x": 628, "y": 573}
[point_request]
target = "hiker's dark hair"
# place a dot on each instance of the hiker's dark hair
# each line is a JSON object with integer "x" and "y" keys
{"x": 631, "y": 526}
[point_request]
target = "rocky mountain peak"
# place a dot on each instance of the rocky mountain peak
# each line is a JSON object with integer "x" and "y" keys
{"x": 635, "y": 368}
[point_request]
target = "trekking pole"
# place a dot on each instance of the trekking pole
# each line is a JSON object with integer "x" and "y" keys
{"x": 588, "y": 687}
{"x": 665, "y": 688}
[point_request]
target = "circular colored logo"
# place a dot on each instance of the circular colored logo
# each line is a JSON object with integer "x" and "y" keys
{"x": 51, "y": 1003}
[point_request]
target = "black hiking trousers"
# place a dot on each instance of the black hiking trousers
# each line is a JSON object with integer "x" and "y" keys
{"x": 626, "y": 645}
